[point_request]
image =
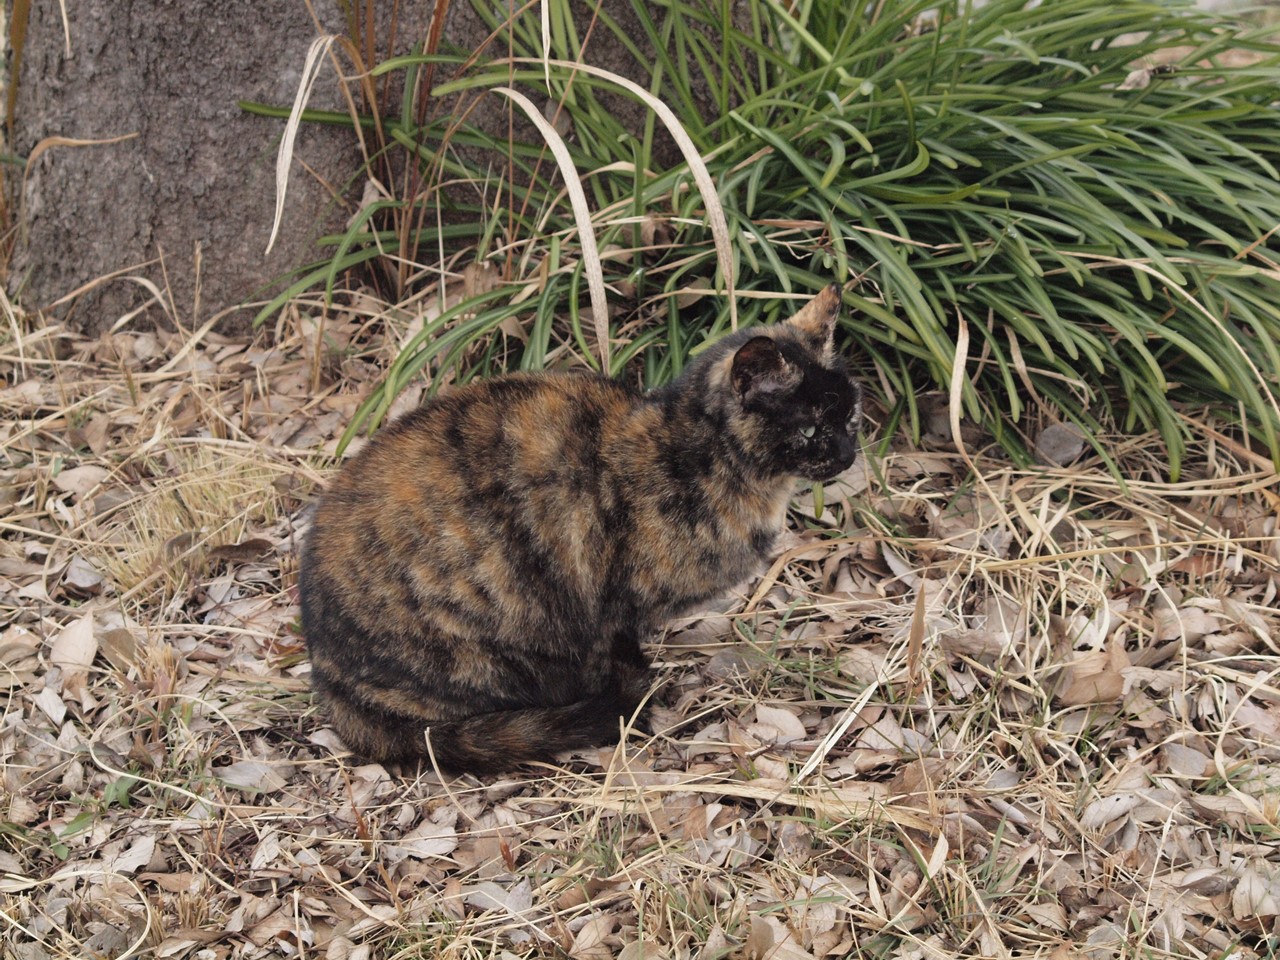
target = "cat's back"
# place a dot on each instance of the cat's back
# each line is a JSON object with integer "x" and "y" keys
{"x": 512, "y": 429}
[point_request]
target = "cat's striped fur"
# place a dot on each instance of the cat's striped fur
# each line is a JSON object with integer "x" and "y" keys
{"x": 486, "y": 568}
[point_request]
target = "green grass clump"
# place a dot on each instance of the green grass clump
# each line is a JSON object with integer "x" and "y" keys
{"x": 994, "y": 177}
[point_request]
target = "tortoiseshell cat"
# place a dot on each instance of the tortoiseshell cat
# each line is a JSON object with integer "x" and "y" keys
{"x": 486, "y": 567}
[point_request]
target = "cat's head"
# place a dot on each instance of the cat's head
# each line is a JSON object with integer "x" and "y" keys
{"x": 792, "y": 406}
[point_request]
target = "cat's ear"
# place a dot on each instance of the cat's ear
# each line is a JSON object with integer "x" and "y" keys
{"x": 817, "y": 319}
{"x": 758, "y": 367}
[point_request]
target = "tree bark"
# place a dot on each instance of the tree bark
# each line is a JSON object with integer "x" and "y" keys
{"x": 193, "y": 189}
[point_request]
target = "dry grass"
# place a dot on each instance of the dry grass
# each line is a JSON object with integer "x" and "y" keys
{"x": 1010, "y": 713}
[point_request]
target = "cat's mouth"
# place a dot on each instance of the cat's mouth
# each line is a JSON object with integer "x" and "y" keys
{"x": 840, "y": 457}
{"x": 825, "y": 473}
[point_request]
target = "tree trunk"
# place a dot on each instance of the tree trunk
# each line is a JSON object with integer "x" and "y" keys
{"x": 194, "y": 186}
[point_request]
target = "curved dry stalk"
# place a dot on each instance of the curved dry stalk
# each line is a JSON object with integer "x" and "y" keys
{"x": 581, "y": 215}
{"x": 701, "y": 176}
{"x": 284, "y": 159}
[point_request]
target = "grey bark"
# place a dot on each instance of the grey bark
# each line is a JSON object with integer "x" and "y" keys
{"x": 199, "y": 174}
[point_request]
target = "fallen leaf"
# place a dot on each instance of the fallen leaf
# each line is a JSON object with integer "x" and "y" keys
{"x": 93, "y": 434}
{"x": 1096, "y": 677}
{"x": 1188, "y": 623}
{"x": 784, "y": 946}
{"x": 777, "y": 724}
{"x": 1060, "y": 443}
{"x": 1138, "y": 79}
{"x": 120, "y": 647}
{"x": 1227, "y": 810}
{"x": 1184, "y": 761}
{"x": 435, "y": 836}
{"x": 488, "y": 895}
{"x": 731, "y": 663}
{"x": 642, "y": 950}
{"x": 178, "y": 946}
{"x": 107, "y": 941}
{"x": 51, "y": 705}
{"x": 251, "y": 775}
{"x": 1101, "y": 812}
{"x": 22, "y": 811}
{"x": 78, "y": 481}
{"x": 73, "y": 650}
{"x": 185, "y": 882}
{"x": 589, "y": 942}
{"x": 1264, "y": 722}
{"x": 1208, "y": 882}
{"x": 81, "y": 579}
{"x": 1048, "y": 914}
{"x": 760, "y": 941}
{"x": 282, "y": 926}
{"x": 266, "y": 853}
{"x": 1256, "y": 898}
{"x": 137, "y": 856}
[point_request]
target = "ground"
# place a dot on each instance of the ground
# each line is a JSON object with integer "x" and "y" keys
{"x": 971, "y": 710}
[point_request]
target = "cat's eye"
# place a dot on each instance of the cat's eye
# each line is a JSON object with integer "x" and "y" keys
{"x": 808, "y": 432}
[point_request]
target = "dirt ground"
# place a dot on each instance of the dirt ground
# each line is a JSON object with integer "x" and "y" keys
{"x": 971, "y": 710}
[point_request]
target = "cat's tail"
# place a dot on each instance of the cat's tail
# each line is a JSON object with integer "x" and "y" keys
{"x": 496, "y": 742}
{"x": 488, "y": 743}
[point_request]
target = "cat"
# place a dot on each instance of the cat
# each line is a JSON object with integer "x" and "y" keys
{"x": 482, "y": 573}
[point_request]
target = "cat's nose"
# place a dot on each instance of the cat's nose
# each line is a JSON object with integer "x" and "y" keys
{"x": 846, "y": 449}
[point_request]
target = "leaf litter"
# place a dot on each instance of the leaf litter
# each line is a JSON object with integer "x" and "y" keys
{"x": 1033, "y": 715}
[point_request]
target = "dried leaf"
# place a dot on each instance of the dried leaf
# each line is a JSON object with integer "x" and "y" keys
{"x": 93, "y": 434}
{"x": 1184, "y": 761}
{"x": 1228, "y": 810}
{"x": 784, "y": 946}
{"x": 120, "y": 647}
{"x": 1049, "y": 915}
{"x": 1096, "y": 677}
{"x": 79, "y": 481}
{"x": 1263, "y": 722}
{"x": 81, "y": 579}
{"x": 777, "y": 724}
{"x": 22, "y": 811}
{"x": 1060, "y": 443}
{"x": 73, "y": 650}
{"x": 51, "y": 705}
{"x": 137, "y": 856}
{"x": 255, "y": 776}
{"x": 641, "y": 950}
{"x": 590, "y": 943}
{"x": 1208, "y": 882}
{"x": 1138, "y": 79}
{"x": 1256, "y": 898}
{"x": 488, "y": 895}
{"x": 1188, "y": 623}
{"x": 1099, "y": 814}
{"x": 266, "y": 853}
{"x": 938, "y": 857}
{"x": 759, "y": 942}
{"x": 185, "y": 882}
{"x": 435, "y": 836}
